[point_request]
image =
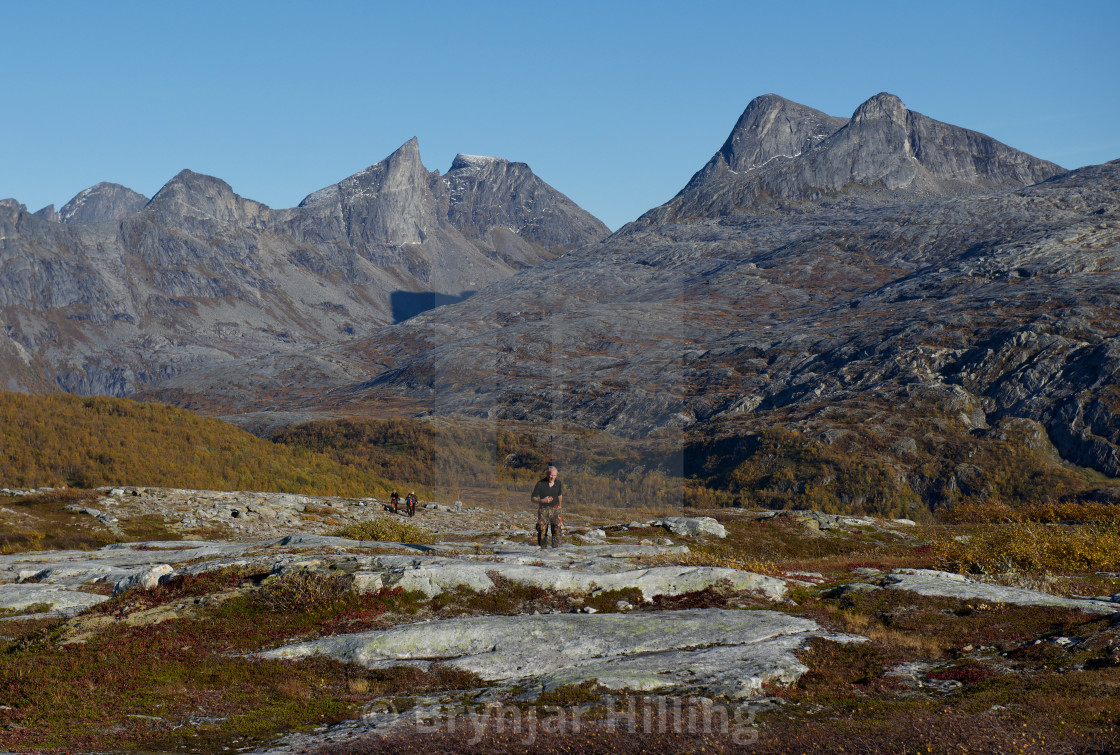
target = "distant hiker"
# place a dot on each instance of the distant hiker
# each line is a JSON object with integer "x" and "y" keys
{"x": 548, "y": 494}
{"x": 394, "y": 501}
{"x": 410, "y": 503}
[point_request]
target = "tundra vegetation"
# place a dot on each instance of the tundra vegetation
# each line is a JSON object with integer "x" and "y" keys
{"x": 938, "y": 674}
{"x": 87, "y": 442}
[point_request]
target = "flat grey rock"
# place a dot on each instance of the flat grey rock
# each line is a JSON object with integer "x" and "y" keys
{"x": 432, "y": 579}
{"x": 111, "y": 563}
{"x": 731, "y": 651}
{"x": 945, "y": 584}
{"x": 60, "y": 600}
{"x": 328, "y": 541}
{"x": 415, "y": 567}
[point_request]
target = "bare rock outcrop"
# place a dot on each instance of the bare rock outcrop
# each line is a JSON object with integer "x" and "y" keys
{"x": 727, "y": 652}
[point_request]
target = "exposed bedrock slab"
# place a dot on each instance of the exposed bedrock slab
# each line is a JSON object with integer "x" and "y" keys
{"x": 433, "y": 579}
{"x": 730, "y": 651}
{"x": 945, "y": 584}
{"x": 329, "y": 541}
{"x": 122, "y": 561}
{"x": 112, "y": 563}
{"x": 58, "y": 599}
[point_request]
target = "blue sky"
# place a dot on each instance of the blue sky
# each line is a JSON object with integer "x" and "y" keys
{"x": 614, "y": 103}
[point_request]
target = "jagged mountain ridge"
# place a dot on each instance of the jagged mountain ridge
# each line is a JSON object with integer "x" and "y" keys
{"x": 108, "y": 299}
{"x": 786, "y": 152}
{"x": 963, "y": 300}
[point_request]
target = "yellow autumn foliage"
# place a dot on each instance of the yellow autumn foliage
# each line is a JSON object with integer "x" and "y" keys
{"x": 64, "y": 440}
{"x": 1032, "y": 548}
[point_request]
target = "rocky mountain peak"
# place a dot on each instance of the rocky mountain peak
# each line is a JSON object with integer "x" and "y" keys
{"x": 388, "y": 204}
{"x": 48, "y": 213}
{"x": 103, "y": 202}
{"x": 405, "y": 162}
{"x": 780, "y": 150}
{"x": 188, "y": 185}
{"x": 462, "y": 161}
{"x": 509, "y": 208}
{"x": 883, "y": 106}
{"x": 774, "y": 127}
{"x": 191, "y": 196}
{"x": 208, "y": 276}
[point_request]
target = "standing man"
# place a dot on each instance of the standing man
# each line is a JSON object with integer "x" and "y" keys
{"x": 548, "y": 494}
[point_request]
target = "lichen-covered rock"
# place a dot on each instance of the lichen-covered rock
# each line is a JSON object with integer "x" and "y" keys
{"x": 945, "y": 584}
{"x": 731, "y": 652}
{"x": 59, "y": 600}
{"x": 146, "y": 580}
{"x": 432, "y": 579}
{"x": 694, "y": 526}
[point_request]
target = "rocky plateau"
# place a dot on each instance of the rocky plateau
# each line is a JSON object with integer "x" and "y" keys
{"x": 734, "y": 652}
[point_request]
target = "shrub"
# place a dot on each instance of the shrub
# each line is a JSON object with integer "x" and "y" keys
{"x": 389, "y": 529}
{"x": 1048, "y": 512}
{"x": 1033, "y": 548}
{"x": 966, "y": 673}
{"x": 304, "y": 591}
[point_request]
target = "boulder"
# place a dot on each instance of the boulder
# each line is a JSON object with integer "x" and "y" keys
{"x": 694, "y": 526}
{"x": 107, "y": 519}
{"x": 147, "y": 579}
{"x": 852, "y": 587}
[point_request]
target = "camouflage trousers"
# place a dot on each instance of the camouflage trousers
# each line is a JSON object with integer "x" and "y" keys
{"x": 549, "y": 516}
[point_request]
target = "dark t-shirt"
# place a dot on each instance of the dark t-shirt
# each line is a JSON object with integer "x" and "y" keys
{"x": 542, "y": 490}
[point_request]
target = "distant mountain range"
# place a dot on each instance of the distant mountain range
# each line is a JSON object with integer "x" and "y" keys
{"x": 114, "y": 292}
{"x": 886, "y": 281}
{"x": 870, "y": 277}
